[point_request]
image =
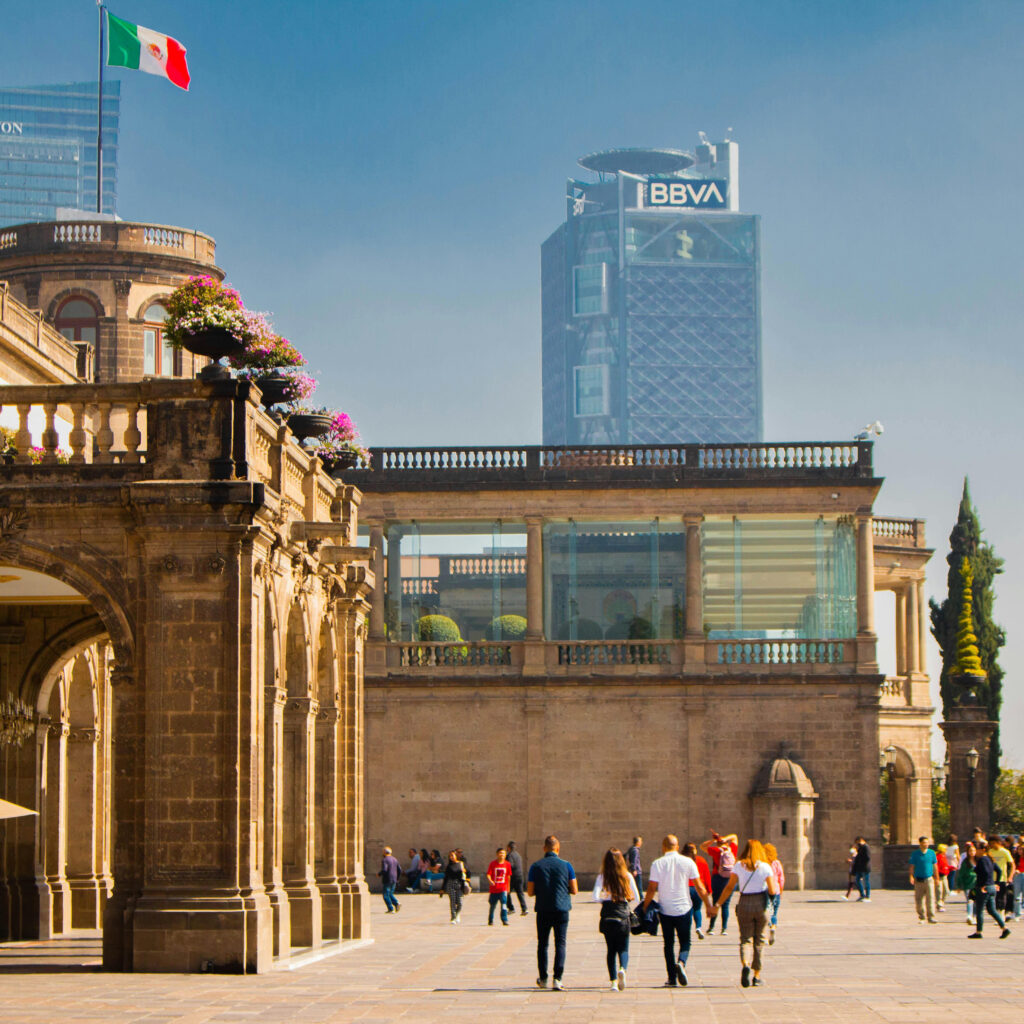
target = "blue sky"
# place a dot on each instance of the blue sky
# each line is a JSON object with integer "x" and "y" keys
{"x": 381, "y": 175}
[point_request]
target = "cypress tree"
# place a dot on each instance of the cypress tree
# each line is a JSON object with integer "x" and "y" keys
{"x": 966, "y": 542}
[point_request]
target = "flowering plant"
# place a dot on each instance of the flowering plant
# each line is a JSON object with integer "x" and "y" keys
{"x": 298, "y": 386}
{"x": 201, "y": 303}
{"x": 266, "y": 352}
{"x": 342, "y": 439}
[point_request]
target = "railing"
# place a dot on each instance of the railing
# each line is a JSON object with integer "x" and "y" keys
{"x": 433, "y": 655}
{"x": 27, "y": 327}
{"x": 117, "y": 235}
{"x": 803, "y": 457}
{"x": 894, "y": 688}
{"x": 778, "y": 652}
{"x": 484, "y": 565}
{"x": 898, "y": 532}
{"x": 627, "y": 652}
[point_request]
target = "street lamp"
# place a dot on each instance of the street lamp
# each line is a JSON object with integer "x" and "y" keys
{"x": 971, "y": 757}
{"x": 939, "y": 775}
{"x": 890, "y": 761}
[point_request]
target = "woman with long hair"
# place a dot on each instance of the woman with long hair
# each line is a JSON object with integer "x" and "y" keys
{"x": 772, "y": 856}
{"x": 615, "y": 889}
{"x": 753, "y": 874}
{"x": 690, "y": 850}
{"x": 454, "y": 876}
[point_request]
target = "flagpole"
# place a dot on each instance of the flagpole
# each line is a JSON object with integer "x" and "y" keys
{"x": 99, "y": 119}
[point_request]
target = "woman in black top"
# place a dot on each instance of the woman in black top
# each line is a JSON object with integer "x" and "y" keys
{"x": 985, "y": 891}
{"x": 454, "y": 875}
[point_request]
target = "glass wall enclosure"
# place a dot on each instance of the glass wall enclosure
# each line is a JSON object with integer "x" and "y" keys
{"x": 455, "y": 581}
{"x": 779, "y": 579}
{"x": 614, "y": 580}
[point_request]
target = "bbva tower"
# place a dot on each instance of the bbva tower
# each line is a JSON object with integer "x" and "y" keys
{"x": 651, "y": 311}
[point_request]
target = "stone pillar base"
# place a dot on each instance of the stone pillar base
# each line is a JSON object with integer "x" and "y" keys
{"x": 305, "y": 908}
{"x": 281, "y": 920}
{"x": 330, "y": 910}
{"x": 181, "y": 935}
{"x": 88, "y": 898}
{"x": 355, "y": 910}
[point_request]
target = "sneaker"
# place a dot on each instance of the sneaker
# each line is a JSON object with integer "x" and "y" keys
{"x": 398, "y": 906}
{"x": 681, "y": 973}
{"x": 458, "y": 919}
{"x": 745, "y": 977}
{"x": 845, "y": 897}
{"x": 867, "y": 899}
{"x": 620, "y": 980}
{"x": 974, "y": 935}
{"x": 1005, "y": 933}
{"x": 771, "y": 935}
{"x": 504, "y": 924}
{"x": 523, "y": 913}
{"x": 723, "y": 933}
{"x": 756, "y": 982}
{"x": 669, "y": 984}
{"x": 700, "y": 934}
{"x": 389, "y": 911}
{"x": 490, "y": 924}
{"x": 542, "y": 983}
{"x": 557, "y": 984}
{"x": 615, "y": 986}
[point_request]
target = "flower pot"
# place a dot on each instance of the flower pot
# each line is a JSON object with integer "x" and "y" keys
{"x": 273, "y": 387}
{"x": 337, "y": 464}
{"x": 215, "y": 343}
{"x": 309, "y": 424}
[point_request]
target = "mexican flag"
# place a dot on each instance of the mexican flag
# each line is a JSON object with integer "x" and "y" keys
{"x": 132, "y": 46}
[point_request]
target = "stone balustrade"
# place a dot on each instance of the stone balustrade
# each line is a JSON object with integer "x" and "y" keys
{"x": 892, "y": 532}
{"x": 21, "y": 325}
{"x": 780, "y": 652}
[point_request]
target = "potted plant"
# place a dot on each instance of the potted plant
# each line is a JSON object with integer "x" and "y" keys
{"x": 207, "y": 318}
{"x": 273, "y": 364}
{"x": 310, "y": 422}
{"x": 340, "y": 448}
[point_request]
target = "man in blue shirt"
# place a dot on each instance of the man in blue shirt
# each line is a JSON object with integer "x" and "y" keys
{"x": 552, "y": 883}
{"x": 922, "y": 875}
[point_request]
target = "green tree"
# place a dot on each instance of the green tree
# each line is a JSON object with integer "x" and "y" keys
{"x": 966, "y": 542}
{"x": 1008, "y": 802}
{"x": 940, "y": 809}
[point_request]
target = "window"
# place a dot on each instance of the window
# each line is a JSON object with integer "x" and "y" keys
{"x": 590, "y": 289}
{"x": 159, "y": 357}
{"x": 591, "y": 390}
{"x": 77, "y": 319}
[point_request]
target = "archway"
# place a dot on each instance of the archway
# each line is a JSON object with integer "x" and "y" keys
{"x": 897, "y": 799}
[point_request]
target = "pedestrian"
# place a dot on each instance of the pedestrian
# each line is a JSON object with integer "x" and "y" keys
{"x": 754, "y": 877}
{"x": 922, "y": 874}
{"x": 670, "y": 879}
{"x": 615, "y": 889}
{"x": 953, "y": 852}
{"x": 1018, "y": 878}
{"x": 551, "y": 883}
{"x": 518, "y": 880}
{"x": 690, "y": 850}
{"x": 967, "y": 879}
{"x": 390, "y": 869}
{"x": 941, "y": 878}
{"x": 633, "y": 862}
{"x": 860, "y": 868}
{"x": 412, "y": 872}
{"x": 722, "y": 850}
{"x": 1003, "y": 860}
{"x": 772, "y": 856}
{"x": 499, "y": 874}
{"x": 850, "y": 880}
{"x": 454, "y": 877}
{"x": 986, "y": 886}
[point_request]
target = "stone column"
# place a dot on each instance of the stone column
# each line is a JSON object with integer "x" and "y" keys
{"x": 913, "y": 627}
{"x": 51, "y": 881}
{"x": 327, "y": 817}
{"x": 968, "y": 727}
{"x": 273, "y": 817}
{"x": 694, "y": 656}
{"x": 392, "y": 596}
{"x": 89, "y": 888}
{"x": 922, "y": 628}
{"x": 377, "y": 565}
{"x": 533, "y": 654}
{"x": 867, "y": 656}
{"x": 901, "y": 631}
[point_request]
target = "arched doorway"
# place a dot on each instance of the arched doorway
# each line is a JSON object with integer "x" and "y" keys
{"x": 897, "y": 797}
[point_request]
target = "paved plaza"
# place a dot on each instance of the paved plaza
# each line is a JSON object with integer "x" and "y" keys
{"x": 833, "y": 961}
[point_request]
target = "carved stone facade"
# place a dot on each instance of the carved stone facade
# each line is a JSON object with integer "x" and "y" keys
{"x": 196, "y": 680}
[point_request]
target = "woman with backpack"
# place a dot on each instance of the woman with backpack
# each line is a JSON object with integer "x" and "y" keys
{"x": 752, "y": 874}
{"x": 615, "y": 889}
{"x": 722, "y": 851}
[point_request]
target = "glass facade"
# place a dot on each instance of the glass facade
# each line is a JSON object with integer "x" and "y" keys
{"x": 671, "y": 310}
{"x": 48, "y": 150}
{"x": 779, "y": 579}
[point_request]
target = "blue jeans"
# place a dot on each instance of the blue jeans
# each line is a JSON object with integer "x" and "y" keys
{"x": 718, "y": 884}
{"x": 670, "y": 928}
{"x": 698, "y": 908}
{"x": 389, "y": 896}
{"x": 985, "y": 900}
{"x": 863, "y": 880}
{"x": 412, "y": 880}
{"x": 548, "y": 921}
{"x": 1018, "y": 893}
{"x": 775, "y": 901}
{"x": 494, "y": 898}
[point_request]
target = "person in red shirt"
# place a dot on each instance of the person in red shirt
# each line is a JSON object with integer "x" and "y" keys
{"x": 499, "y": 875}
{"x": 690, "y": 850}
{"x": 720, "y": 872}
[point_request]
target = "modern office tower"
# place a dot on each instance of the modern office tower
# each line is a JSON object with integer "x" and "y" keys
{"x": 48, "y": 150}
{"x": 651, "y": 311}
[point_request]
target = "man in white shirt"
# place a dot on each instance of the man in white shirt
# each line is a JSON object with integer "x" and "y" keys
{"x": 670, "y": 878}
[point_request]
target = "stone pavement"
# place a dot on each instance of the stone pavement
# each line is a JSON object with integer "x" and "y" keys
{"x": 833, "y": 961}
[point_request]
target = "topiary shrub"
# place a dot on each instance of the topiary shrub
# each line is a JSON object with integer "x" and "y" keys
{"x": 437, "y": 629}
{"x": 507, "y": 627}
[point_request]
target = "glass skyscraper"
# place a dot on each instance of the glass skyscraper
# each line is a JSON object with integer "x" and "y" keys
{"x": 48, "y": 150}
{"x": 651, "y": 311}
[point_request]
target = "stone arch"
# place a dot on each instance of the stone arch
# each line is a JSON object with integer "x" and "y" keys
{"x": 901, "y": 792}
{"x": 157, "y": 296}
{"x": 73, "y": 293}
{"x": 40, "y": 676}
{"x": 298, "y": 653}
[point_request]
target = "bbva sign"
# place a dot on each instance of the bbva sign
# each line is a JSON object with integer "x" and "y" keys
{"x": 11, "y": 128}
{"x": 708, "y": 195}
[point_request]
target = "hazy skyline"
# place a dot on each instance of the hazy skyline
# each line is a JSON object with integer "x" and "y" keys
{"x": 381, "y": 176}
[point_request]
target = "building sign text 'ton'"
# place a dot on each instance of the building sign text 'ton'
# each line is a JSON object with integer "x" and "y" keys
{"x": 703, "y": 195}
{"x": 11, "y": 128}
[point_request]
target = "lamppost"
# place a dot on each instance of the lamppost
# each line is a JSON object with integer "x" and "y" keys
{"x": 971, "y": 757}
{"x": 939, "y": 773}
{"x": 887, "y": 770}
